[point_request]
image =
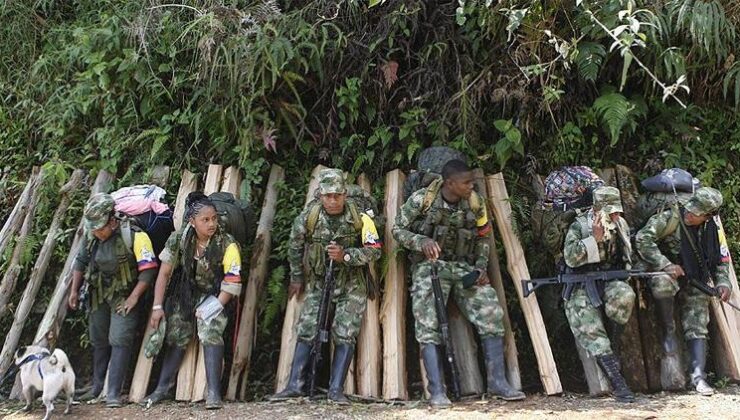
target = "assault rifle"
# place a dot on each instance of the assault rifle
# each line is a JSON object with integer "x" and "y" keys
{"x": 588, "y": 279}
{"x": 322, "y": 325}
{"x": 444, "y": 329}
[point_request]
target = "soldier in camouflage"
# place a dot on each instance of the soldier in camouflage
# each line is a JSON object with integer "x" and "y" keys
{"x": 118, "y": 271}
{"x": 599, "y": 240}
{"x": 208, "y": 264}
{"x": 664, "y": 245}
{"x": 447, "y": 224}
{"x": 336, "y": 234}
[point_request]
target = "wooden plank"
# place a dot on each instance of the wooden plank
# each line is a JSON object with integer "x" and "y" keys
{"x": 160, "y": 176}
{"x": 293, "y": 309}
{"x": 143, "y": 370}
{"x": 393, "y": 310}
{"x": 16, "y": 216}
{"x": 184, "y": 390}
{"x": 258, "y": 266}
{"x": 725, "y": 334}
{"x": 466, "y": 351}
{"x": 517, "y": 267}
{"x": 595, "y": 379}
{"x": 368, "y": 341}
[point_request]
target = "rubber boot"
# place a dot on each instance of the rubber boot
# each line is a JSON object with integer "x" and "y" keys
{"x": 433, "y": 365}
{"x": 615, "y": 334}
{"x": 119, "y": 359}
{"x": 214, "y": 360}
{"x": 101, "y": 355}
{"x": 698, "y": 354}
{"x": 610, "y": 365}
{"x": 493, "y": 351}
{"x": 671, "y": 368}
{"x": 170, "y": 367}
{"x": 342, "y": 358}
{"x": 294, "y": 389}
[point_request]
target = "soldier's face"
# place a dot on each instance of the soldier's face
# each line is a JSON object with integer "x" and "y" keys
{"x": 205, "y": 222}
{"x": 106, "y": 231}
{"x": 461, "y": 184}
{"x": 333, "y": 203}
{"x": 693, "y": 220}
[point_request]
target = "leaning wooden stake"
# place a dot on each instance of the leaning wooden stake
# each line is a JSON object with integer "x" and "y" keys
{"x": 16, "y": 216}
{"x": 38, "y": 272}
{"x": 293, "y": 309}
{"x": 256, "y": 280}
{"x": 369, "y": 353}
{"x": 14, "y": 265}
{"x": 517, "y": 266}
{"x": 466, "y": 351}
{"x": 393, "y": 311}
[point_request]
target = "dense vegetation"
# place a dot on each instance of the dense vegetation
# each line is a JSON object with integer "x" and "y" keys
{"x": 518, "y": 86}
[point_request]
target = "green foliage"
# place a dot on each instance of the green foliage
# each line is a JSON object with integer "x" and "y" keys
{"x": 589, "y": 60}
{"x": 510, "y": 143}
{"x": 617, "y": 112}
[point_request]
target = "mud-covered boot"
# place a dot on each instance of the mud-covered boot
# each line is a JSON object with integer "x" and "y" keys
{"x": 342, "y": 359}
{"x": 101, "y": 355}
{"x": 119, "y": 359}
{"x": 170, "y": 367}
{"x": 698, "y": 354}
{"x": 294, "y": 389}
{"x": 672, "y": 375}
{"x": 493, "y": 351}
{"x": 433, "y": 365}
{"x": 610, "y": 365}
{"x": 213, "y": 357}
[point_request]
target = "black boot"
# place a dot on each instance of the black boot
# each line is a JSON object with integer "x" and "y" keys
{"x": 433, "y": 365}
{"x": 698, "y": 354}
{"x": 493, "y": 351}
{"x": 672, "y": 375}
{"x": 214, "y": 359}
{"x": 615, "y": 334}
{"x": 610, "y": 365}
{"x": 342, "y": 358}
{"x": 101, "y": 355}
{"x": 170, "y": 367}
{"x": 295, "y": 383}
{"x": 119, "y": 359}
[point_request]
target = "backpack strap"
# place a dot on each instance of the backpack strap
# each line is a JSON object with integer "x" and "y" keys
{"x": 127, "y": 233}
{"x": 313, "y": 217}
{"x": 431, "y": 194}
{"x": 673, "y": 222}
{"x": 356, "y": 219}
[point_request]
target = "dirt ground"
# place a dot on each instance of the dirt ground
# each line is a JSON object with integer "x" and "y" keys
{"x": 724, "y": 405}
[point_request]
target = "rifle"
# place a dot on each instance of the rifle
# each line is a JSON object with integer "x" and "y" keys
{"x": 589, "y": 279}
{"x": 322, "y": 325}
{"x": 444, "y": 328}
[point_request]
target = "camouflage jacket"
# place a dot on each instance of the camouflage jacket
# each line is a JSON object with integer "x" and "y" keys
{"x": 466, "y": 237}
{"x": 307, "y": 250}
{"x": 658, "y": 243}
{"x": 582, "y": 249}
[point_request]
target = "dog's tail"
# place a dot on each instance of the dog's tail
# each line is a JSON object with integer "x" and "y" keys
{"x": 59, "y": 359}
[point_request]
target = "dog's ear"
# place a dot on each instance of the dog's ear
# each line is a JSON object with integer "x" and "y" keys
{"x": 53, "y": 360}
{"x": 20, "y": 352}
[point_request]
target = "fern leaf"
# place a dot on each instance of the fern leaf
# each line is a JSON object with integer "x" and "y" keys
{"x": 589, "y": 59}
{"x": 613, "y": 110}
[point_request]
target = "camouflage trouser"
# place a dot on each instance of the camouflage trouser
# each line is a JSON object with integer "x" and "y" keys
{"x": 694, "y": 309}
{"x": 479, "y": 304}
{"x": 109, "y": 328}
{"x": 180, "y": 328}
{"x": 350, "y": 301}
{"x": 585, "y": 320}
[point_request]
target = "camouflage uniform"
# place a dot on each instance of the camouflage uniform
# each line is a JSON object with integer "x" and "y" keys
{"x": 307, "y": 258}
{"x": 583, "y": 252}
{"x": 212, "y": 274}
{"x": 658, "y": 243}
{"x": 463, "y": 233}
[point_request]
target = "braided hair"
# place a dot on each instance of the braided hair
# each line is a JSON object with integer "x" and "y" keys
{"x": 195, "y": 202}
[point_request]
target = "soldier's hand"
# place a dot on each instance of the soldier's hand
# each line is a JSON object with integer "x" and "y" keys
{"x": 483, "y": 278}
{"x": 128, "y": 305}
{"x": 724, "y": 293}
{"x": 336, "y": 252}
{"x": 294, "y": 289}
{"x": 155, "y": 318}
{"x": 598, "y": 229}
{"x": 431, "y": 249}
{"x": 675, "y": 271}
{"x": 73, "y": 300}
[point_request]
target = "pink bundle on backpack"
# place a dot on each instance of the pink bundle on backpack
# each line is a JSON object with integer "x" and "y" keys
{"x": 571, "y": 187}
{"x": 140, "y": 199}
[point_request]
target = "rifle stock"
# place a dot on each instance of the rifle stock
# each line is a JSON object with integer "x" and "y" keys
{"x": 322, "y": 326}
{"x": 444, "y": 328}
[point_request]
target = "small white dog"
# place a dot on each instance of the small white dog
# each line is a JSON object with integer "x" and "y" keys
{"x": 50, "y": 373}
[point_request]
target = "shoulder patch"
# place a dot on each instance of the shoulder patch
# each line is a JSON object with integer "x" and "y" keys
{"x": 144, "y": 252}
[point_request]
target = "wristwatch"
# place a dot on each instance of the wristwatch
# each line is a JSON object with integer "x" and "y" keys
{"x": 347, "y": 257}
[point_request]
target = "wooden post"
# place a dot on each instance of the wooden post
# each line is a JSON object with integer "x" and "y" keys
{"x": 293, "y": 309}
{"x": 14, "y": 265}
{"x": 257, "y": 274}
{"x": 38, "y": 272}
{"x": 466, "y": 351}
{"x": 393, "y": 310}
{"x": 143, "y": 370}
{"x": 725, "y": 334}
{"x": 16, "y": 216}
{"x": 595, "y": 379}
{"x": 160, "y": 176}
{"x": 212, "y": 184}
{"x": 517, "y": 266}
{"x": 368, "y": 341}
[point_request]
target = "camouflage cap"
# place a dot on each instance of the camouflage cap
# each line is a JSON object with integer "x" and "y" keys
{"x": 331, "y": 181}
{"x": 98, "y": 210}
{"x": 706, "y": 200}
{"x": 608, "y": 200}
{"x": 156, "y": 340}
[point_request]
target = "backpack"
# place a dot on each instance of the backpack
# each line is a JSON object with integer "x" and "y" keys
{"x": 568, "y": 193}
{"x": 139, "y": 208}
{"x": 669, "y": 179}
{"x": 660, "y": 194}
{"x": 236, "y": 217}
{"x": 358, "y": 201}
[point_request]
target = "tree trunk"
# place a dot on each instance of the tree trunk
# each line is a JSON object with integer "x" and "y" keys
{"x": 16, "y": 216}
